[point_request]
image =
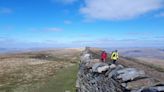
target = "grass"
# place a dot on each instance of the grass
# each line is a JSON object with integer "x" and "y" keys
{"x": 156, "y": 67}
{"x": 54, "y": 71}
{"x": 49, "y": 57}
{"x": 64, "y": 80}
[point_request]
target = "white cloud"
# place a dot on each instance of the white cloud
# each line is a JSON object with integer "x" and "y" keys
{"x": 55, "y": 29}
{"x": 160, "y": 14}
{"x": 50, "y": 29}
{"x": 7, "y": 28}
{"x": 67, "y": 22}
{"x": 64, "y": 1}
{"x": 124, "y": 42}
{"x": 118, "y": 9}
{"x": 5, "y": 10}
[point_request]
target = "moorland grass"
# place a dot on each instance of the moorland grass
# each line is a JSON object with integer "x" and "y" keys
{"x": 64, "y": 81}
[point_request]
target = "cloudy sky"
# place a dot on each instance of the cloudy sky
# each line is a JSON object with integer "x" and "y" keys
{"x": 78, "y": 23}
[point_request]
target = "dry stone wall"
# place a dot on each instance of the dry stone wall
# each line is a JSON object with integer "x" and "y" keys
{"x": 95, "y": 76}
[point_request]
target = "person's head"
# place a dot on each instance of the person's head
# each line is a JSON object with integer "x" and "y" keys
{"x": 116, "y": 50}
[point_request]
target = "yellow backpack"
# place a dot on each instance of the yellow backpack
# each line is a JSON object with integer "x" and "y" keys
{"x": 114, "y": 56}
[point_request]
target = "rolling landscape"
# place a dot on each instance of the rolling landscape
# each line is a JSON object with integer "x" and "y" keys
{"x": 71, "y": 46}
{"x": 55, "y": 70}
{"x": 154, "y": 56}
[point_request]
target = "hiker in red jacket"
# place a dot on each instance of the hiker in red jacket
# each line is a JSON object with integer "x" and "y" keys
{"x": 103, "y": 56}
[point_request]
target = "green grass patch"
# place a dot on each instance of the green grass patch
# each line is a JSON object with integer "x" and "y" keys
{"x": 64, "y": 80}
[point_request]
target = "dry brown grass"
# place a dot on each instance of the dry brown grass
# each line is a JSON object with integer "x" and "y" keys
{"x": 32, "y": 67}
{"x": 151, "y": 70}
{"x": 153, "y": 61}
{"x": 19, "y": 71}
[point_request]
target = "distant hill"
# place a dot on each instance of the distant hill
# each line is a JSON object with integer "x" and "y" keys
{"x": 19, "y": 50}
{"x": 4, "y": 50}
{"x": 143, "y": 52}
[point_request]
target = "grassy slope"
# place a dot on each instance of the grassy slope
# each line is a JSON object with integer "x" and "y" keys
{"x": 64, "y": 81}
{"x": 153, "y": 66}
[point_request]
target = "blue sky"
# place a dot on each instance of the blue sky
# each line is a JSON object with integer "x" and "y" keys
{"x": 78, "y": 23}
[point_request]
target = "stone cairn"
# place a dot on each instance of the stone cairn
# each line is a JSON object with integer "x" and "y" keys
{"x": 95, "y": 76}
